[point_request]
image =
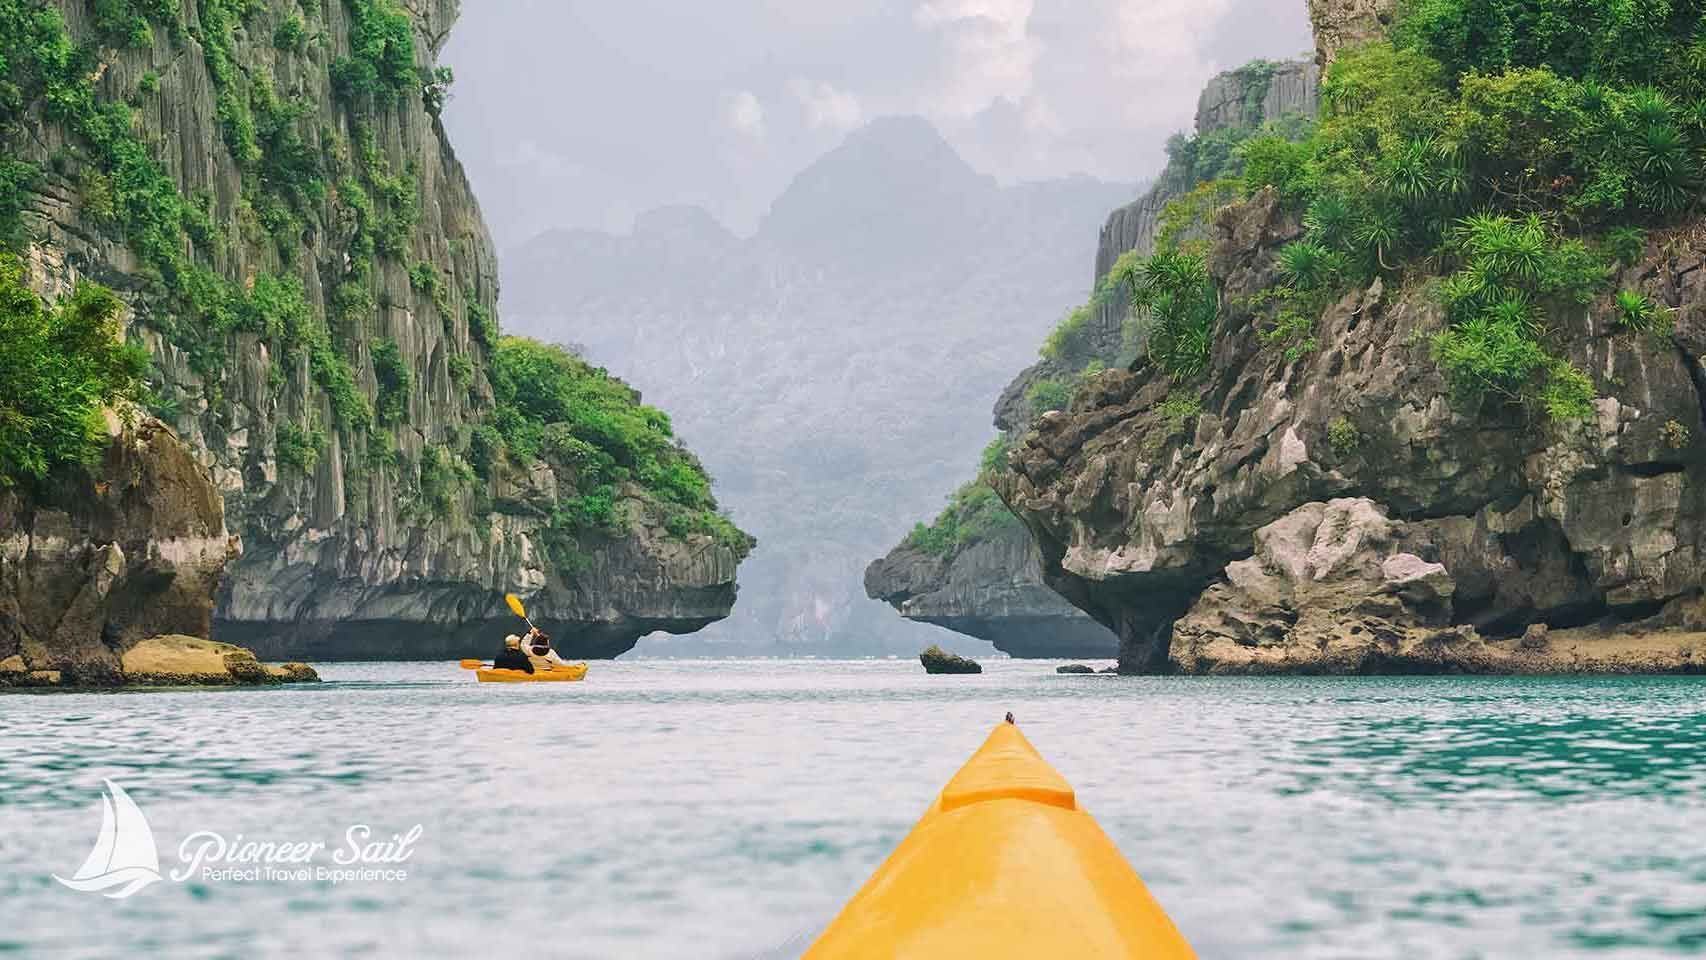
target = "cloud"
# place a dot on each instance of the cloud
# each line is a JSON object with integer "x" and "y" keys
{"x": 988, "y": 52}
{"x": 825, "y": 106}
{"x": 743, "y": 114}
{"x": 590, "y": 102}
{"x": 528, "y": 155}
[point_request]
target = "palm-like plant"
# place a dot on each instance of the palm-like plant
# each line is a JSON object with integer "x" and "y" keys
{"x": 1595, "y": 96}
{"x": 1638, "y": 312}
{"x": 1626, "y": 244}
{"x": 1408, "y": 172}
{"x": 1464, "y": 294}
{"x": 1379, "y": 231}
{"x": 1515, "y": 310}
{"x": 1669, "y": 171}
{"x": 1483, "y": 353}
{"x": 1182, "y": 302}
{"x": 1329, "y": 221}
{"x": 1503, "y": 249}
{"x": 1649, "y": 107}
{"x": 1451, "y": 177}
{"x": 1692, "y": 117}
{"x": 1306, "y": 265}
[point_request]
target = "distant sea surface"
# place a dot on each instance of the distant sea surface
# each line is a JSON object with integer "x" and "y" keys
{"x": 726, "y": 809}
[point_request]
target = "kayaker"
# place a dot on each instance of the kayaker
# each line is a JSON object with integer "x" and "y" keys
{"x": 538, "y": 644}
{"x": 512, "y": 657}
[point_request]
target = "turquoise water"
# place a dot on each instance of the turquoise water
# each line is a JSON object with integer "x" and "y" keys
{"x": 727, "y": 809}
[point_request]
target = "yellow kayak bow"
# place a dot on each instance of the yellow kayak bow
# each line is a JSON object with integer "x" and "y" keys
{"x": 1005, "y": 864}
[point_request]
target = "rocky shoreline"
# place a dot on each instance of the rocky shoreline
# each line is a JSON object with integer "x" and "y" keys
{"x": 173, "y": 661}
{"x": 108, "y": 572}
{"x": 1196, "y": 536}
{"x": 1585, "y": 650}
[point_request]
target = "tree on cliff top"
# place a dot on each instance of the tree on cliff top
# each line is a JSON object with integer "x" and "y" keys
{"x": 60, "y": 366}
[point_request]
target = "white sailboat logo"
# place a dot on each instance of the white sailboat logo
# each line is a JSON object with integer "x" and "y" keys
{"x": 124, "y": 859}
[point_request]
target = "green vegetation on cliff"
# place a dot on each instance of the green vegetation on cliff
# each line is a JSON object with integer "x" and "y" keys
{"x": 1170, "y": 298}
{"x": 553, "y": 405}
{"x": 381, "y": 68}
{"x": 324, "y": 212}
{"x": 1513, "y": 149}
{"x": 973, "y": 514}
{"x": 45, "y": 76}
{"x": 59, "y": 366}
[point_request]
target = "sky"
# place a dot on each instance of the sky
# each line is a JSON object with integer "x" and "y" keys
{"x": 585, "y": 113}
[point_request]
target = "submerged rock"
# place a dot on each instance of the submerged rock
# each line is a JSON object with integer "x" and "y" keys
{"x": 1074, "y": 668}
{"x": 937, "y": 660}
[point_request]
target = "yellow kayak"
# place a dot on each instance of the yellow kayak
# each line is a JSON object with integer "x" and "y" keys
{"x": 1005, "y": 864}
{"x": 541, "y": 674}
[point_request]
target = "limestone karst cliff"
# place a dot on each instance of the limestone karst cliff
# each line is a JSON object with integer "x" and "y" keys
{"x": 1355, "y": 478}
{"x": 268, "y": 187}
{"x": 985, "y": 579}
{"x": 1138, "y": 513}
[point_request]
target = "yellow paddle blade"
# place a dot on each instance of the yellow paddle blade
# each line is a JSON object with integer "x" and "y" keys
{"x": 515, "y": 604}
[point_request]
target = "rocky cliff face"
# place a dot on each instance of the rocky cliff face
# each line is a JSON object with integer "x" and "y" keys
{"x": 995, "y": 589}
{"x": 328, "y": 219}
{"x": 1237, "y": 101}
{"x": 1261, "y": 93}
{"x": 1345, "y": 23}
{"x": 1330, "y": 510}
{"x": 101, "y": 561}
{"x": 990, "y": 591}
{"x": 1334, "y": 511}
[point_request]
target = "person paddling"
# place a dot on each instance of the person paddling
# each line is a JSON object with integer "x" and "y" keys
{"x": 538, "y": 644}
{"x": 512, "y": 657}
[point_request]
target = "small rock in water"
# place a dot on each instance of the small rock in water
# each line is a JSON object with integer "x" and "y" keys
{"x": 294, "y": 672}
{"x": 1074, "y": 668}
{"x": 937, "y": 660}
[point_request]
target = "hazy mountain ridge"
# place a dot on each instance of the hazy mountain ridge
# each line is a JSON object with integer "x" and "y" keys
{"x": 834, "y": 367}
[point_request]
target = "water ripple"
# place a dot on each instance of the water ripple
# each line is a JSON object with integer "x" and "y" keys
{"x": 727, "y": 809}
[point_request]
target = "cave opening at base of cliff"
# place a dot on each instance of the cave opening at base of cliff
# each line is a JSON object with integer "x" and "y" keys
{"x": 1500, "y": 624}
{"x": 1639, "y": 609}
{"x": 1478, "y": 613}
